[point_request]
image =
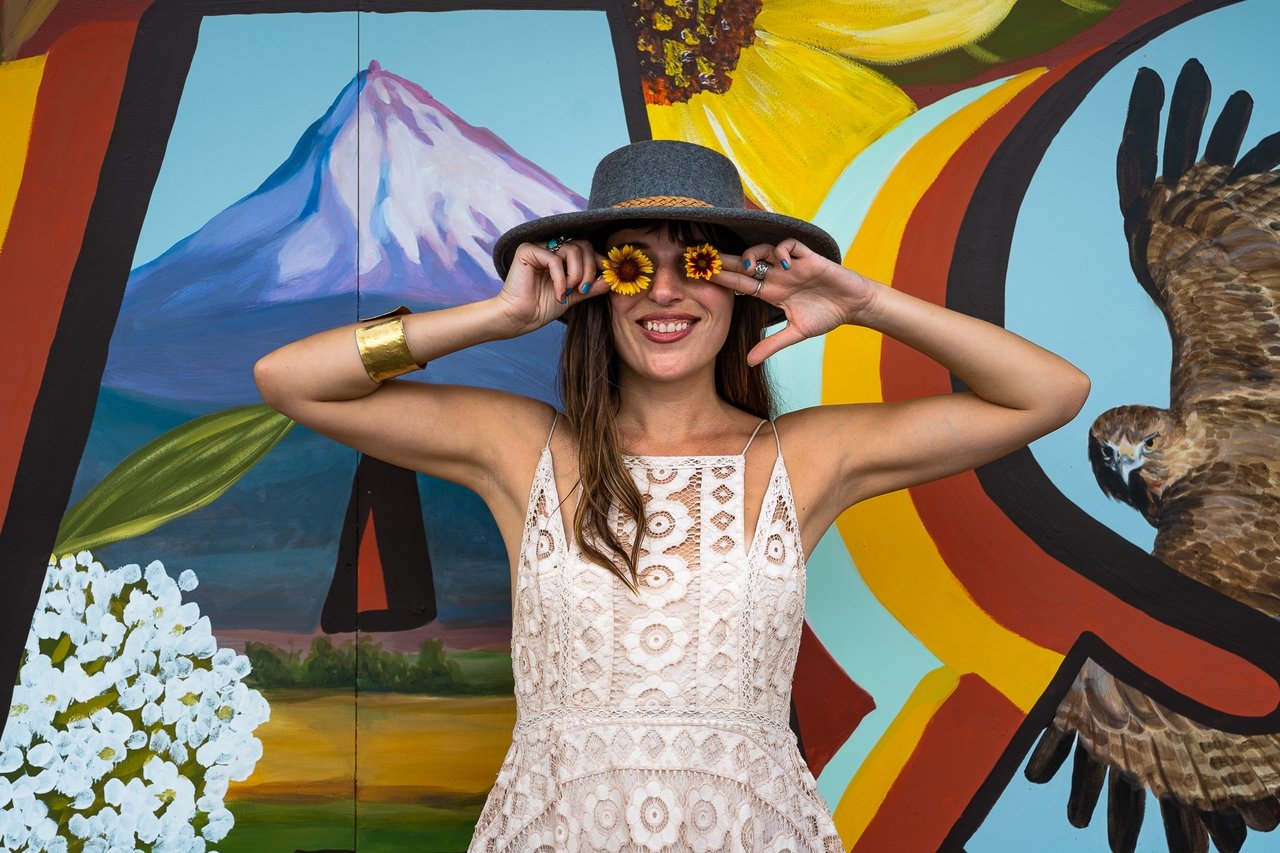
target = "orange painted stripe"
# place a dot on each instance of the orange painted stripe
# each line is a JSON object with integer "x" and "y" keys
{"x": 74, "y": 115}
{"x": 19, "y": 84}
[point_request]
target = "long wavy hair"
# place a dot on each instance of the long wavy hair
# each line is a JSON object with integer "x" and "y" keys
{"x": 589, "y": 389}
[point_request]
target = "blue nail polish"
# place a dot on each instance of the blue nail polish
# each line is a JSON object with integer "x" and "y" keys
{"x": 586, "y": 285}
{"x": 746, "y": 264}
{"x": 786, "y": 266}
{"x": 564, "y": 299}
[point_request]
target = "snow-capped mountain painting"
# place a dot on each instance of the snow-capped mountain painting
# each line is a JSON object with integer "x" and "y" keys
{"x": 388, "y": 198}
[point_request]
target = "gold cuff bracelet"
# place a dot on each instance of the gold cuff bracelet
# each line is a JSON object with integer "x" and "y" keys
{"x": 385, "y": 350}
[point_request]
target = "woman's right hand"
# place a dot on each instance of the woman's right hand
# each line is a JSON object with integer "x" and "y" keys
{"x": 542, "y": 284}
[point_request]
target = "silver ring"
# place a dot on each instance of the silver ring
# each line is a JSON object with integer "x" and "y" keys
{"x": 761, "y": 270}
{"x": 759, "y": 284}
{"x": 555, "y": 243}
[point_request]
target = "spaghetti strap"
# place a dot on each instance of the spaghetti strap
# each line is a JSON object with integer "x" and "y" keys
{"x": 555, "y": 421}
{"x": 756, "y": 432}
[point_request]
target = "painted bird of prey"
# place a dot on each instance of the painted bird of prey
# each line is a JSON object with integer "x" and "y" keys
{"x": 1204, "y": 241}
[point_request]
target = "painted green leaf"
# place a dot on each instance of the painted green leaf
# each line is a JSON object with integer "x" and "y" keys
{"x": 181, "y": 471}
{"x": 1032, "y": 27}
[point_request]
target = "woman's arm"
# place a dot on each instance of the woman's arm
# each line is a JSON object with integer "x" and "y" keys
{"x": 468, "y": 435}
{"x": 1017, "y": 390}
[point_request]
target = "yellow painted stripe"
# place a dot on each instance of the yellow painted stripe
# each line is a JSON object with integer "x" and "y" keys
{"x": 862, "y": 799}
{"x": 19, "y": 83}
{"x": 886, "y": 538}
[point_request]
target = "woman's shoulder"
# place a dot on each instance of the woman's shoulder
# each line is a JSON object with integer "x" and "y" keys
{"x": 820, "y": 424}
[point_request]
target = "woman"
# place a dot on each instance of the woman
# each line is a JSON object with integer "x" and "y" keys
{"x": 653, "y": 672}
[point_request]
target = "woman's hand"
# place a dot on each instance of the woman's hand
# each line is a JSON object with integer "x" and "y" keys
{"x": 542, "y": 283}
{"x": 816, "y": 294}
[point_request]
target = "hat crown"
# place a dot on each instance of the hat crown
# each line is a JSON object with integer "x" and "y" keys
{"x": 665, "y": 169}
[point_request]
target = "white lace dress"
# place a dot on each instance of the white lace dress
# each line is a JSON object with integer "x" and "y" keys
{"x": 659, "y": 722}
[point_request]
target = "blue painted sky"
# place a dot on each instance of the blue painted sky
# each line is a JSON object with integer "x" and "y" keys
{"x": 546, "y": 82}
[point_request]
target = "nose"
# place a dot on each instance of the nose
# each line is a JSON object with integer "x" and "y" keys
{"x": 668, "y": 284}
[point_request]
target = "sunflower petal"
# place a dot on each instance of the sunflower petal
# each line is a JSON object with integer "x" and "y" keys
{"x": 792, "y": 120}
{"x": 884, "y": 31}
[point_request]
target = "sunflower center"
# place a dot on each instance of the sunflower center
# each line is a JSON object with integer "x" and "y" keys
{"x": 627, "y": 269}
{"x": 690, "y": 46}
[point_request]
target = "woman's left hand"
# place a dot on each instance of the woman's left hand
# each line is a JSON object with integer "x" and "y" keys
{"x": 816, "y": 294}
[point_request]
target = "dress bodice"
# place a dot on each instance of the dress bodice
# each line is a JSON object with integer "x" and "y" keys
{"x": 657, "y": 719}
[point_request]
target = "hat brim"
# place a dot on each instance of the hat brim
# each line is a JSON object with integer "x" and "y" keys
{"x": 753, "y": 226}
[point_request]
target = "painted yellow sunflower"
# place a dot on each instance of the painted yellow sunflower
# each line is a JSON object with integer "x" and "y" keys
{"x": 781, "y": 87}
{"x": 702, "y": 261}
{"x": 627, "y": 270}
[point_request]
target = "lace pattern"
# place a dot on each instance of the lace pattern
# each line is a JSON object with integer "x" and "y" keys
{"x": 658, "y": 720}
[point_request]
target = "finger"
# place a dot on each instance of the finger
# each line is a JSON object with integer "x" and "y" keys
{"x": 770, "y": 345}
{"x": 588, "y": 290}
{"x": 758, "y": 252}
{"x": 784, "y": 252}
{"x": 590, "y": 264}
{"x": 741, "y": 284}
{"x": 571, "y": 256}
{"x": 731, "y": 275}
{"x": 555, "y": 269}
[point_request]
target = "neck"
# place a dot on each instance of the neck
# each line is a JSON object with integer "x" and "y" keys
{"x": 674, "y": 418}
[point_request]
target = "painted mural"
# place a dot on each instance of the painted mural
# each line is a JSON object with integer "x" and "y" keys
{"x": 248, "y": 638}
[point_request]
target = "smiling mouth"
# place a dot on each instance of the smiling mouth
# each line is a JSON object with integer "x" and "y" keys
{"x": 665, "y": 327}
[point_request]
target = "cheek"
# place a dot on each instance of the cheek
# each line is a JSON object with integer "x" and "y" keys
{"x": 618, "y": 305}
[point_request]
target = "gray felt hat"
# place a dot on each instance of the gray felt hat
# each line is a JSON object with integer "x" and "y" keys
{"x": 666, "y": 179}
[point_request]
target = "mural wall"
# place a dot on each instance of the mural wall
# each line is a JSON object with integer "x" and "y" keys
{"x": 248, "y": 638}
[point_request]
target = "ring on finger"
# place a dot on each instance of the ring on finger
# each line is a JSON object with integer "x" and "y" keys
{"x": 761, "y": 270}
{"x": 555, "y": 243}
{"x": 759, "y": 285}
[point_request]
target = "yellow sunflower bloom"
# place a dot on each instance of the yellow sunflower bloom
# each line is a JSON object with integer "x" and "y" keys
{"x": 627, "y": 270}
{"x": 702, "y": 261}
{"x": 885, "y": 31}
{"x": 780, "y": 87}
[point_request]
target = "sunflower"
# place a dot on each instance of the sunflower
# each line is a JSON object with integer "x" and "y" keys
{"x": 780, "y": 86}
{"x": 702, "y": 261}
{"x": 627, "y": 270}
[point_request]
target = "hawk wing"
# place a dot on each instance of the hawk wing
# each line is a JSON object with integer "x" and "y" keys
{"x": 1210, "y": 783}
{"x": 1204, "y": 237}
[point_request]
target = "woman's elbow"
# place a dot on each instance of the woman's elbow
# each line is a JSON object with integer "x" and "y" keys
{"x": 1071, "y": 392}
{"x": 269, "y": 375}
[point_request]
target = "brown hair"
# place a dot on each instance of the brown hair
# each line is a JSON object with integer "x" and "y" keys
{"x": 589, "y": 389}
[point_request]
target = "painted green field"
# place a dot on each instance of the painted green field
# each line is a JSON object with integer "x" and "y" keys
{"x": 424, "y": 766}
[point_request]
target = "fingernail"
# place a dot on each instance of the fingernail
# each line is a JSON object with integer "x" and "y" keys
{"x": 746, "y": 264}
{"x": 586, "y": 285}
{"x": 564, "y": 299}
{"x": 785, "y": 265}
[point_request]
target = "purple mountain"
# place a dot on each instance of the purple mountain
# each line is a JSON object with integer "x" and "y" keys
{"x": 388, "y": 198}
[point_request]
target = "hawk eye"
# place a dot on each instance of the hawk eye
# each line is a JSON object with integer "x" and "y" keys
{"x": 1150, "y": 442}
{"x": 1108, "y": 452}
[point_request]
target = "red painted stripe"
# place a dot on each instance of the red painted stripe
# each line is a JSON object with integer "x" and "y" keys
{"x": 829, "y": 704}
{"x": 371, "y": 582}
{"x": 963, "y": 740}
{"x": 66, "y": 16}
{"x": 74, "y": 115}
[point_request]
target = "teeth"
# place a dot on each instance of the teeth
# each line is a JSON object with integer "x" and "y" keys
{"x": 665, "y": 328}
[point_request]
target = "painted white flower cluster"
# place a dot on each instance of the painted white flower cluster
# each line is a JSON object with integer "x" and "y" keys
{"x": 127, "y": 721}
